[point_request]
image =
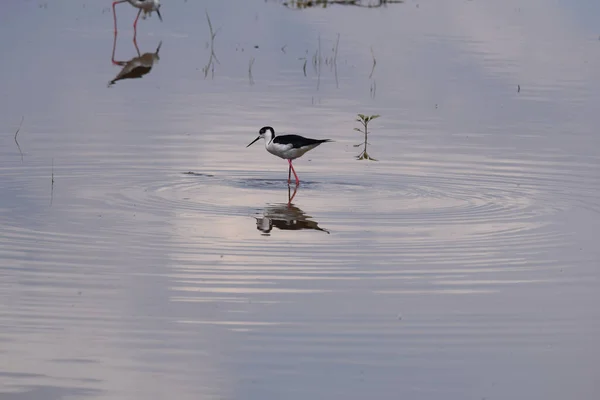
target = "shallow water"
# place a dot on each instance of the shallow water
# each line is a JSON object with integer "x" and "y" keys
{"x": 145, "y": 253}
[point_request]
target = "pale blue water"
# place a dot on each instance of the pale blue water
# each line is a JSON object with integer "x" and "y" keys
{"x": 461, "y": 265}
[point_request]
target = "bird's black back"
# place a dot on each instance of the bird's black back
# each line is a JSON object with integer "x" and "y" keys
{"x": 298, "y": 141}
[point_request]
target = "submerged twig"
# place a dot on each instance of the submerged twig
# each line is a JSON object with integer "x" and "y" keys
{"x": 374, "y": 63}
{"x": 250, "y": 78}
{"x": 16, "y": 133}
{"x": 52, "y": 184}
{"x": 318, "y": 64}
{"x": 305, "y": 58}
{"x": 210, "y": 66}
{"x": 319, "y": 58}
{"x": 337, "y": 85}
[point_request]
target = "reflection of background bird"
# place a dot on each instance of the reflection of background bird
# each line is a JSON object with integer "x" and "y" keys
{"x": 147, "y": 6}
{"x": 286, "y": 217}
{"x": 136, "y": 67}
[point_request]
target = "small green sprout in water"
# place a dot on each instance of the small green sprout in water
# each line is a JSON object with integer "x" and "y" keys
{"x": 364, "y": 120}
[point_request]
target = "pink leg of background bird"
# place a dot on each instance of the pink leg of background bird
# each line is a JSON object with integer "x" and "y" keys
{"x": 115, "y": 13}
{"x": 113, "y": 52}
{"x": 136, "y": 20}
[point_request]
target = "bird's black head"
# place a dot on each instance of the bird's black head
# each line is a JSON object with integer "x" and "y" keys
{"x": 266, "y": 132}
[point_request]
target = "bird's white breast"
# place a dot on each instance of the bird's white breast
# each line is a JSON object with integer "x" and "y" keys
{"x": 281, "y": 150}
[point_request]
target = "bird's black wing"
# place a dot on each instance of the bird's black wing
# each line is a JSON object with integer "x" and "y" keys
{"x": 297, "y": 141}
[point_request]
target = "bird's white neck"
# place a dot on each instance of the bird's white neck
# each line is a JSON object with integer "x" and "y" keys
{"x": 269, "y": 135}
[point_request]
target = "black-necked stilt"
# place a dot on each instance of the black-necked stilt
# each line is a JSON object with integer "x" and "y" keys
{"x": 288, "y": 147}
{"x": 147, "y": 6}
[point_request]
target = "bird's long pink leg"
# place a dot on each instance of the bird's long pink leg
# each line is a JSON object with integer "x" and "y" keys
{"x": 115, "y": 13}
{"x": 294, "y": 171}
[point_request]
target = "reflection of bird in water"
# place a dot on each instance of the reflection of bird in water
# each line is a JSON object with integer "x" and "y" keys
{"x": 147, "y": 6}
{"x": 288, "y": 147}
{"x": 137, "y": 67}
{"x": 286, "y": 217}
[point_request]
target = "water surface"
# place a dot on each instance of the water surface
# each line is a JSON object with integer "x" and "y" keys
{"x": 145, "y": 253}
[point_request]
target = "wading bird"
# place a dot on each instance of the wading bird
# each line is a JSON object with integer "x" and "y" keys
{"x": 147, "y": 6}
{"x": 288, "y": 147}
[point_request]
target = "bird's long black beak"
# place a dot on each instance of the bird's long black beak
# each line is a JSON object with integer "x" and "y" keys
{"x": 254, "y": 141}
{"x": 159, "y": 16}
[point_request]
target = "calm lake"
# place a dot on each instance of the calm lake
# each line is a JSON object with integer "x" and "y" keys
{"x": 146, "y": 253}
